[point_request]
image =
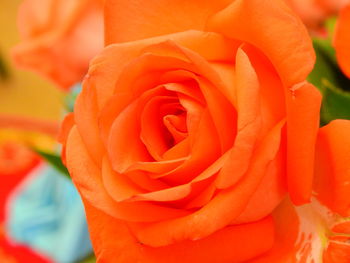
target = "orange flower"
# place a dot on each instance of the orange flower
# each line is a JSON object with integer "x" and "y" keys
{"x": 59, "y": 37}
{"x": 332, "y": 187}
{"x": 341, "y": 40}
{"x": 332, "y": 182}
{"x": 192, "y": 126}
{"x": 315, "y": 12}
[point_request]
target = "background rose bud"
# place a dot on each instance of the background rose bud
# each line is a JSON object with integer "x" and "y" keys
{"x": 342, "y": 40}
{"x": 59, "y": 37}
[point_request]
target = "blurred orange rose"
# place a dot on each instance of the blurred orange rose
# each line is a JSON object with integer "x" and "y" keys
{"x": 341, "y": 40}
{"x": 315, "y": 12}
{"x": 333, "y": 6}
{"x": 15, "y": 159}
{"x": 59, "y": 37}
{"x": 192, "y": 128}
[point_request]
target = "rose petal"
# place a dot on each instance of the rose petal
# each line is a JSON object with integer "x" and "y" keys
{"x": 271, "y": 91}
{"x": 270, "y": 192}
{"x": 133, "y": 20}
{"x": 66, "y": 127}
{"x": 249, "y": 122}
{"x": 87, "y": 177}
{"x": 174, "y": 193}
{"x": 231, "y": 244}
{"x": 280, "y": 28}
{"x": 301, "y": 139}
{"x": 85, "y": 116}
{"x": 223, "y": 113}
{"x": 124, "y": 145}
{"x": 203, "y": 140}
{"x": 154, "y": 134}
{"x": 143, "y": 180}
{"x": 221, "y": 210}
{"x": 118, "y": 186}
{"x": 286, "y": 235}
{"x": 332, "y": 166}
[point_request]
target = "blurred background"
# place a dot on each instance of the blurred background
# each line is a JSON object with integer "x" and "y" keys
{"x": 23, "y": 92}
{"x": 41, "y": 215}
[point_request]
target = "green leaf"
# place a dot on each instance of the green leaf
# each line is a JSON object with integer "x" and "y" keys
{"x": 54, "y": 160}
{"x": 335, "y": 104}
{"x": 88, "y": 259}
{"x": 325, "y": 66}
{"x": 332, "y": 83}
{"x": 330, "y": 24}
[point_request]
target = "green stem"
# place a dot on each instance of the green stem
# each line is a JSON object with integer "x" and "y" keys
{"x": 4, "y": 72}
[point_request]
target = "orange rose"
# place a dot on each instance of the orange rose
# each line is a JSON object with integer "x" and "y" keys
{"x": 310, "y": 11}
{"x": 59, "y": 37}
{"x": 332, "y": 186}
{"x": 192, "y": 126}
{"x": 341, "y": 40}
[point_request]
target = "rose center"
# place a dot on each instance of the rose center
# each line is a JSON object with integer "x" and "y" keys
{"x": 164, "y": 124}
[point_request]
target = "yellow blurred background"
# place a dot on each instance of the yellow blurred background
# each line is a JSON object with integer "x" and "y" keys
{"x": 23, "y": 93}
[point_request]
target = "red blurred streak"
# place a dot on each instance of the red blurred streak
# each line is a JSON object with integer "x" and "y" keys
{"x": 50, "y": 128}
